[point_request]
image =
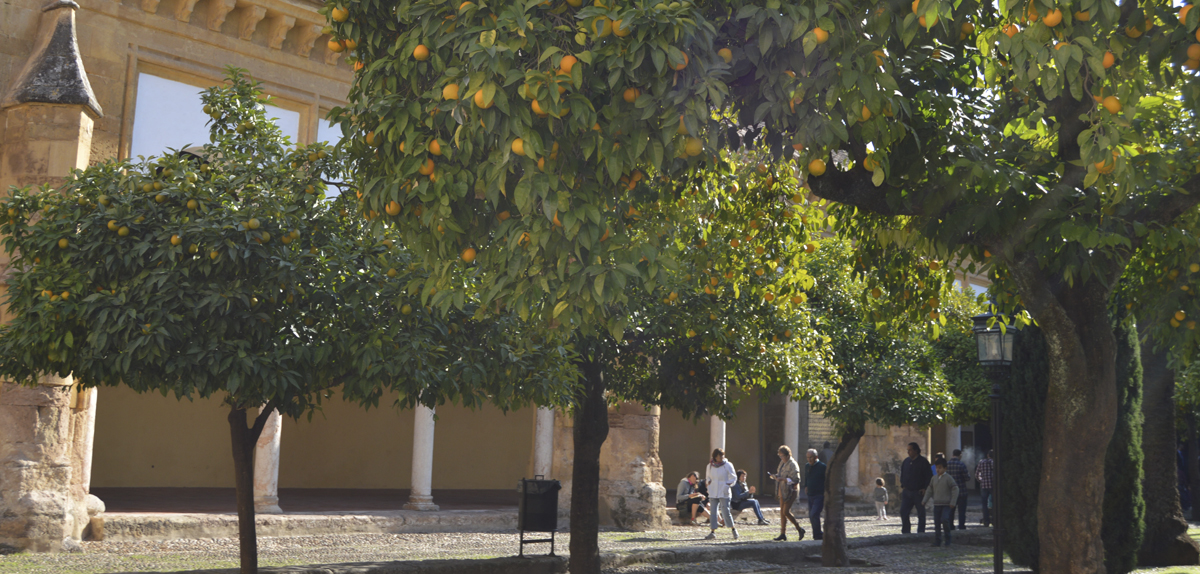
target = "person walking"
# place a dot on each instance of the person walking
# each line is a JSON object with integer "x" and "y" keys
{"x": 720, "y": 477}
{"x": 742, "y": 497}
{"x": 957, "y": 470}
{"x": 985, "y": 473}
{"x": 914, "y": 478}
{"x": 814, "y": 487}
{"x": 688, "y": 499}
{"x": 881, "y": 500}
{"x": 787, "y": 485}
{"x": 943, "y": 491}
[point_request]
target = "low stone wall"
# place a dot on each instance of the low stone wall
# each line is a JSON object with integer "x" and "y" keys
{"x": 136, "y": 526}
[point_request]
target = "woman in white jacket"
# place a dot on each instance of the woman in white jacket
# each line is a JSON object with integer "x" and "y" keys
{"x": 720, "y": 476}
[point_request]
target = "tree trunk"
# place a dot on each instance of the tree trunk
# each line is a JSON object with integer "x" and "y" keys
{"x": 244, "y": 439}
{"x": 1081, "y": 414}
{"x": 1192, "y": 455}
{"x": 591, "y": 430}
{"x": 833, "y": 547}
{"x": 1166, "y": 542}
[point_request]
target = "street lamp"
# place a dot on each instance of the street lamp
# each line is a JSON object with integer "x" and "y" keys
{"x": 994, "y": 340}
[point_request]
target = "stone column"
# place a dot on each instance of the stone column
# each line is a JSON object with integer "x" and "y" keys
{"x": 716, "y": 434}
{"x": 791, "y": 426}
{"x": 853, "y": 487}
{"x": 266, "y": 466}
{"x": 632, "y": 495}
{"x": 953, "y": 440}
{"x": 421, "y": 496}
{"x": 46, "y": 119}
{"x": 543, "y": 441}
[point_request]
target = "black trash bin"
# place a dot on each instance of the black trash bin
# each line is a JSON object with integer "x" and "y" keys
{"x": 537, "y": 509}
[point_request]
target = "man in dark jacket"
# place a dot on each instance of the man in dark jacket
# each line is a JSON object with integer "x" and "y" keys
{"x": 914, "y": 478}
{"x": 814, "y": 487}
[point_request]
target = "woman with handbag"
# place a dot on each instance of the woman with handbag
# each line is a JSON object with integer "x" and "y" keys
{"x": 787, "y": 481}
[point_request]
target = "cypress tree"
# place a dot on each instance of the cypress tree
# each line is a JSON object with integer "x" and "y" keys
{"x": 1022, "y": 402}
{"x": 1124, "y": 508}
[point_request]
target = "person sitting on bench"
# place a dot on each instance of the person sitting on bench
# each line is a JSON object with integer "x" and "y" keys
{"x": 689, "y": 501}
{"x": 743, "y": 498}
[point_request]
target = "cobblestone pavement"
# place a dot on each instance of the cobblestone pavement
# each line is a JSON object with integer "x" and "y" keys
{"x": 148, "y": 556}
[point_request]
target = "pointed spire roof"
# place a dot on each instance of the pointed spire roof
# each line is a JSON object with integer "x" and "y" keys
{"x": 54, "y": 73}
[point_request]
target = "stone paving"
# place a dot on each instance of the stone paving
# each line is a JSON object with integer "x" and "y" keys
{"x": 174, "y": 555}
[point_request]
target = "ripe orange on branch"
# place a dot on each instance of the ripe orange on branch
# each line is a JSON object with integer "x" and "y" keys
{"x": 420, "y": 53}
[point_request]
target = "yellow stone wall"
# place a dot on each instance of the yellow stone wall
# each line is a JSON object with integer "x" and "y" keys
{"x": 684, "y": 444}
{"x": 152, "y": 440}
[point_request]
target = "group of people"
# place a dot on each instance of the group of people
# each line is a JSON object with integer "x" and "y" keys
{"x": 945, "y": 483}
{"x": 726, "y": 489}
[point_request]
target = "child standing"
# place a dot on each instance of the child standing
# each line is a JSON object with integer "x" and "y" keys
{"x": 943, "y": 490}
{"x": 881, "y": 499}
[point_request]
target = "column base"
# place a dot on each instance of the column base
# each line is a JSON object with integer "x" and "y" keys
{"x": 267, "y": 505}
{"x": 418, "y": 502}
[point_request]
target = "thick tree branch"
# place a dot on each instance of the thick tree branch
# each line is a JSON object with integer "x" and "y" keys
{"x": 855, "y": 188}
{"x": 1165, "y": 207}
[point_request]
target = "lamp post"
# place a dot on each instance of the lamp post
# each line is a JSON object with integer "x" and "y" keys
{"x": 995, "y": 345}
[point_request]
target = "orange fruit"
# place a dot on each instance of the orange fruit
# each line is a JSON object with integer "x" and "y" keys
{"x": 725, "y": 54}
{"x": 866, "y": 113}
{"x": 420, "y": 53}
{"x": 1053, "y": 18}
{"x": 821, "y": 35}
{"x": 621, "y": 29}
{"x": 869, "y": 163}
{"x": 1183, "y": 12}
{"x": 468, "y": 254}
{"x": 503, "y": 215}
{"x": 335, "y": 46}
{"x": 1193, "y": 52}
{"x": 816, "y": 167}
{"x": 339, "y": 14}
{"x": 915, "y": 5}
{"x": 967, "y": 28}
{"x": 62, "y": 243}
{"x": 567, "y": 63}
{"x": 123, "y": 231}
{"x": 693, "y": 147}
{"x": 1011, "y": 30}
{"x": 426, "y": 168}
{"x": 921, "y": 21}
{"x": 1192, "y": 64}
{"x": 631, "y": 94}
{"x": 176, "y": 240}
{"x": 450, "y": 92}
{"x": 537, "y": 109}
{"x": 1083, "y": 16}
{"x": 1112, "y": 104}
{"x": 602, "y": 27}
{"x": 435, "y": 147}
{"x": 518, "y": 146}
{"x": 678, "y": 67}
{"x": 350, "y": 43}
{"x": 112, "y": 225}
{"x": 1133, "y": 32}
{"x": 393, "y": 208}
{"x": 1109, "y": 60}
{"x": 479, "y": 101}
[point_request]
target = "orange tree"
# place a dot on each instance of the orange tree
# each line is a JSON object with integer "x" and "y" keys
{"x": 224, "y": 273}
{"x": 1045, "y": 141}
{"x": 884, "y": 371}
